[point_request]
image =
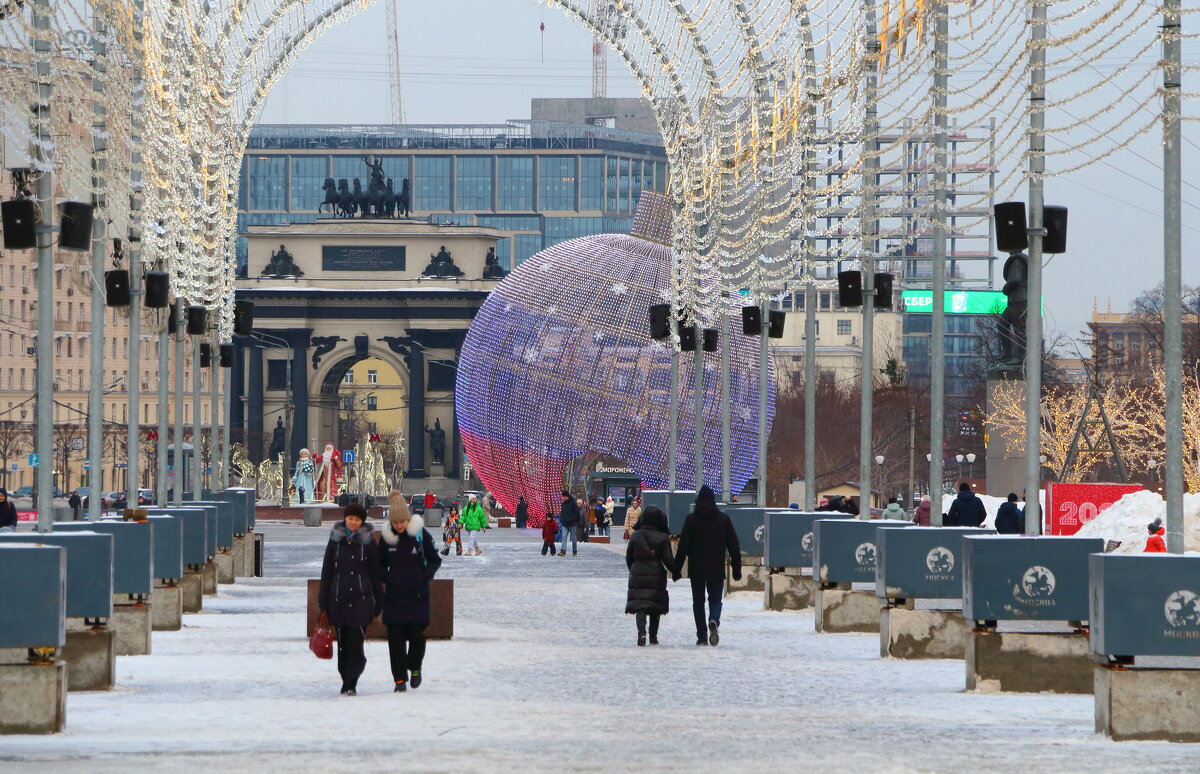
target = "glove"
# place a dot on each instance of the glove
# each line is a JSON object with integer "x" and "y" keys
{"x": 676, "y": 576}
{"x": 737, "y": 574}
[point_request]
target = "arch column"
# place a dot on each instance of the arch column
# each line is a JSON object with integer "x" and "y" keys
{"x": 416, "y": 413}
{"x": 298, "y": 338}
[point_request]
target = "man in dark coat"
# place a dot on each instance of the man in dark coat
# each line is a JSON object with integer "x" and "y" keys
{"x": 409, "y": 560}
{"x": 706, "y": 537}
{"x": 648, "y": 557}
{"x": 967, "y": 510}
{"x": 522, "y": 513}
{"x": 76, "y": 505}
{"x": 1010, "y": 519}
{"x": 351, "y": 592}
{"x": 568, "y": 519}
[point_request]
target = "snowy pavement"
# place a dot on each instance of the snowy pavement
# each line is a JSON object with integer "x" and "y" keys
{"x": 543, "y": 676}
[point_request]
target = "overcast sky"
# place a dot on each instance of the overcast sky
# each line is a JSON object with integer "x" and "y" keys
{"x": 480, "y": 61}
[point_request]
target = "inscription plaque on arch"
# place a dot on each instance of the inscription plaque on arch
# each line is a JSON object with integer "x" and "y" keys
{"x": 363, "y": 258}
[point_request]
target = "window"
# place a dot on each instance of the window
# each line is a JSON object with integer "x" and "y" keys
{"x": 267, "y": 176}
{"x": 308, "y": 175}
{"x": 473, "y": 183}
{"x": 431, "y": 188}
{"x": 844, "y": 327}
{"x": 372, "y": 376}
{"x": 277, "y": 374}
{"x": 556, "y": 183}
{"x": 516, "y": 183}
{"x": 527, "y": 245}
{"x": 591, "y": 183}
{"x": 372, "y": 403}
{"x": 348, "y": 378}
{"x": 347, "y": 403}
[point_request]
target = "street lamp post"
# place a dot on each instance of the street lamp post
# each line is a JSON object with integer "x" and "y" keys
{"x": 960, "y": 458}
{"x": 971, "y": 465}
{"x": 879, "y": 465}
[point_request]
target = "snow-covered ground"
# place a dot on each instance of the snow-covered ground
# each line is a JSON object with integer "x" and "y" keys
{"x": 543, "y": 676}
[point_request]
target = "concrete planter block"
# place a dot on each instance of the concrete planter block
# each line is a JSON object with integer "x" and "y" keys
{"x": 33, "y": 698}
{"x": 91, "y": 657}
{"x": 166, "y": 608}
{"x": 846, "y": 610}
{"x": 132, "y": 625}
{"x": 1028, "y": 662}
{"x": 908, "y": 633}
{"x": 312, "y": 516}
{"x": 1147, "y": 704}
{"x": 784, "y": 591}
{"x": 208, "y": 577}
{"x": 191, "y": 588}
{"x": 225, "y": 567}
{"x": 239, "y": 557}
{"x": 754, "y": 576}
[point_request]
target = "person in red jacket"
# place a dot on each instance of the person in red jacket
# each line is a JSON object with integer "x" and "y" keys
{"x": 549, "y": 532}
{"x": 1155, "y": 544}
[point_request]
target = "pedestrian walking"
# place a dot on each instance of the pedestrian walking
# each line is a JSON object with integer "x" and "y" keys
{"x": 585, "y": 517}
{"x": 430, "y": 501}
{"x": 522, "y": 513}
{"x": 569, "y": 518}
{"x": 893, "y": 511}
{"x": 607, "y": 515}
{"x": 1010, "y": 520}
{"x": 409, "y": 561}
{"x": 594, "y": 510}
{"x": 8, "y": 511}
{"x": 632, "y": 514}
{"x": 549, "y": 532}
{"x": 706, "y": 537}
{"x": 967, "y": 510}
{"x": 351, "y": 590}
{"x": 1156, "y": 543}
{"x": 649, "y": 558}
{"x": 452, "y": 532}
{"x": 474, "y": 521}
{"x": 923, "y": 516}
{"x": 76, "y": 505}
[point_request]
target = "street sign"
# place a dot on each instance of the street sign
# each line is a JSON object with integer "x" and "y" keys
{"x": 87, "y": 464}
{"x": 348, "y": 456}
{"x": 14, "y": 467}
{"x": 33, "y": 460}
{"x": 76, "y": 444}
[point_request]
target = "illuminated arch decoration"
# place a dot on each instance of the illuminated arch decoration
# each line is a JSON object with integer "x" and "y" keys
{"x": 559, "y": 362}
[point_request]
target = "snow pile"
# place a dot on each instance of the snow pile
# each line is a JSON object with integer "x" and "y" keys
{"x": 991, "y": 504}
{"x": 1126, "y": 520}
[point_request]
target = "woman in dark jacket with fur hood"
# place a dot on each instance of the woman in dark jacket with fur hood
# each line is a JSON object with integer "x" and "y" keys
{"x": 649, "y": 558}
{"x": 351, "y": 590}
{"x": 410, "y": 560}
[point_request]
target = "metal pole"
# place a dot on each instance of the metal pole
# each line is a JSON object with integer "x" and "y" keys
{"x": 764, "y": 353}
{"x": 810, "y": 396}
{"x": 1172, "y": 274}
{"x": 44, "y": 193}
{"x": 726, "y": 473}
{"x": 1033, "y": 318}
{"x": 214, "y": 432}
{"x": 912, "y": 457}
{"x": 228, "y": 401}
{"x": 197, "y": 426}
{"x": 164, "y": 374}
{"x": 133, "y": 466}
{"x": 95, "y": 421}
{"x": 180, "y": 344}
{"x": 937, "y": 338}
{"x": 673, "y": 414}
{"x": 698, "y": 406}
{"x": 869, "y": 229}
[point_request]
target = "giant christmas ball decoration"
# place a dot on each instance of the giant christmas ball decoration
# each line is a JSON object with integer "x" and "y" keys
{"x": 559, "y": 362}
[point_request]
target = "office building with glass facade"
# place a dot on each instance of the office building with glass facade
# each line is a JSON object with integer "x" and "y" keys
{"x": 538, "y": 182}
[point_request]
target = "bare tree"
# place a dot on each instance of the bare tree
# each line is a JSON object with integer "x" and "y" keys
{"x": 14, "y": 438}
{"x": 68, "y": 444}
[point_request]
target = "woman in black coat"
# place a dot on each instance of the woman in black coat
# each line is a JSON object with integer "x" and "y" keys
{"x": 351, "y": 590}
{"x": 409, "y": 560}
{"x": 8, "y": 511}
{"x": 649, "y": 557}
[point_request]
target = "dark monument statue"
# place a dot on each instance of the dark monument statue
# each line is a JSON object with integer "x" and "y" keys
{"x": 491, "y": 266}
{"x": 282, "y": 265}
{"x": 437, "y": 441}
{"x": 277, "y": 440}
{"x": 331, "y": 196}
{"x": 404, "y": 200}
{"x": 345, "y": 199}
{"x": 379, "y": 199}
{"x": 1011, "y": 328}
{"x": 441, "y": 265}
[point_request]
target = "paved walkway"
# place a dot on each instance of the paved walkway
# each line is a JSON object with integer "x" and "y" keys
{"x": 543, "y": 676}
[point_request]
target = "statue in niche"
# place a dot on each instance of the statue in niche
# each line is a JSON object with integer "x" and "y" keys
{"x": 277, "y": 440}
{"x": 437, "y": 441}
{"x": 491, "y": 266}
{"x": 1011, "y": 327}
{"x": 441, "y": 265}
{"x": 282, "y": 265}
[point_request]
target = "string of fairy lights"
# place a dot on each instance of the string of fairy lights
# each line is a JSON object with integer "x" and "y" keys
{"x": 761, "y": 104}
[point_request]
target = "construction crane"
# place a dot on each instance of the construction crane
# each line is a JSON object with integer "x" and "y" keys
{"x": 607, "y": 19}
{"x": 394, "y": 75}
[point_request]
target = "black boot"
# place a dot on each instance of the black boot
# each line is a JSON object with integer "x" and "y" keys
{"x": 400, "y": 687}
{"x": 415, "y": 678}
{"x": 641, "y": 639}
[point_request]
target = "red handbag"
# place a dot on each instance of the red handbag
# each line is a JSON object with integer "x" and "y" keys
{"x": 321, "y": 641}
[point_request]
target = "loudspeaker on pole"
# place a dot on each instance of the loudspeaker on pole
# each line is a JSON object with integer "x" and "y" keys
{"x": 227, "y": 356}
{"x": 116, "y": 287}
{"x": 17, "y": 217}
{"x": 775, "y": 331}
{"x": 243, "y": 317}
{"x": 883, "y": 291}
{"x": 197, "y": 320}
{"x": 751, "y": 320}
{"x": 205, "y": 354}
{"x": 711, "y": 339}
{"x": 1012, "y": 233}
{"x": 660, "y": 321}
{"x": 687, "y": 338}
{"x": 75, "y": 229}
{"x": 1055, "y": 220}
{"x": 849, "y": 289}
{"x": 158, "y": 290}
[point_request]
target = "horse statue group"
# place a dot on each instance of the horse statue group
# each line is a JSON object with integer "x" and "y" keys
{"x": 380, "y": 200}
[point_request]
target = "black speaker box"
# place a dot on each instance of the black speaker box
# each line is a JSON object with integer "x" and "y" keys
{"x": 751, "y": 320}
{"x": 197, "y": 320}
{"x": 1012, "y": 234}
{"x": 883, "y": 291}
{"x": 75, "y": 231}
{"x": 849, "y": 288}
{"x": 17, "y": 217}
{"x": 158, "y": 290}
{"x": 775, "y": 331}
{"x": 687, "y": 338}
{"x": 227, "y": 356}
{"x": 711, "y": 339}
{"x": 172, "y": 320}
{"x": 205, "y": 354}
{"x": 660, "y": 321}
{"x": 1055, "y": 220}
{"x": 360, "y": 345}
{"x": 243, "y": 317}
{"x": 116, "y": 287}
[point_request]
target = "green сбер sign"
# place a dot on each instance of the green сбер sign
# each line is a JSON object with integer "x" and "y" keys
{"x": 957, "y": 301}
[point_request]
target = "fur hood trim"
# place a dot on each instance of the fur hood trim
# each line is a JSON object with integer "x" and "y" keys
{"x": 388, "y": 532}
{"x": 362, "y": 535}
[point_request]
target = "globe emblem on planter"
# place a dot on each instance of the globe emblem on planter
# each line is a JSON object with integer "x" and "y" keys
{"x": 940, "y": 560}
{"x": 758, "y": 533}
{"x": 1038, "y": 581}
{"x": 865, "y": 554}
{"x": 1182, "y": 609}
{"x": 806, "y": 542}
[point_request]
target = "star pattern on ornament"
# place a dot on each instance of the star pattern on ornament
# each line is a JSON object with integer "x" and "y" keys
{"x": 620, "y": 289}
